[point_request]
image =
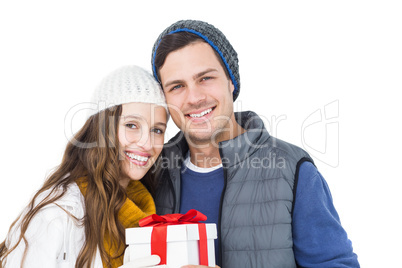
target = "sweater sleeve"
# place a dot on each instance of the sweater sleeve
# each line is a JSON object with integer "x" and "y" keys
{"x": 318, "y": 236}
{"x": 45, "y": 240}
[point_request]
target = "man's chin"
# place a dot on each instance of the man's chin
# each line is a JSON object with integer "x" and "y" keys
{"x": 198, "y": 137}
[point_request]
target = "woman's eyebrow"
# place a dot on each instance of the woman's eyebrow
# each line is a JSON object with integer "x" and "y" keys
{"x": 160, "y": 124}
{"x": 131, "y": 116}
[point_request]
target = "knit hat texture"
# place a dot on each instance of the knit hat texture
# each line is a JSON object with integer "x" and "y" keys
{"x": 128, "y": 84}
{"x": 215, "y": 38}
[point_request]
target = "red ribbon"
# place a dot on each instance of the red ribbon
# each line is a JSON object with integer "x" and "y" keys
{"x": 159, "y": 232}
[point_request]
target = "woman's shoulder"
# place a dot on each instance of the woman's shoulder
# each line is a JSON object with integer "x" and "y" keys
{"x": 50, "y": 230}
{"x": 72, "y": 201}
{"x": 53, "y": 215}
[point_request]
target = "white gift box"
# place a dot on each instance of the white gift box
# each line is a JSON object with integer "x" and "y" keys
{"x": 182, "y": 244}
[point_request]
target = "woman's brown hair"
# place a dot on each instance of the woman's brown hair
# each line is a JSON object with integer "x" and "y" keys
{"x": 93, "y": 153}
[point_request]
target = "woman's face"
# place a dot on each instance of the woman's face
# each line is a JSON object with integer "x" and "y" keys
{"x": 141, "y": 135}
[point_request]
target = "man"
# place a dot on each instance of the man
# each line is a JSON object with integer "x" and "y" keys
{"x": 271, "y": 205}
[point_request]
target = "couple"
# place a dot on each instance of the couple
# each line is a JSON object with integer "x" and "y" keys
{"x": 116, "y": 171}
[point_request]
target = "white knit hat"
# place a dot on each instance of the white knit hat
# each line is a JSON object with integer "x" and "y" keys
{"x": 127, "y": 84}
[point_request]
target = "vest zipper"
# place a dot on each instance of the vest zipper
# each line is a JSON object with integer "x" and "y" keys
{"x": 174, "y": 210}
{"x": 176, "y": 205}
{"x": 220, "y": 212}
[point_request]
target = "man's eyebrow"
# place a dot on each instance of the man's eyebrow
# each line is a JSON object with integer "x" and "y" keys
{"x": 196, "y": 76}
{"x": 209, "y": 70}
{"x": 172, "y": 83}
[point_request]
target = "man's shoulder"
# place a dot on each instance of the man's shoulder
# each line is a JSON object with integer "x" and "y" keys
{"x": 284, "y": 148}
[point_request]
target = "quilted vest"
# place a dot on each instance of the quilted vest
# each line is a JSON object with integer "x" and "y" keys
{"x": 255, "y": 228}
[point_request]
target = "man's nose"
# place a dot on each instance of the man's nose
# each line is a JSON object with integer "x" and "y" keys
{"x": 195, "y": 94}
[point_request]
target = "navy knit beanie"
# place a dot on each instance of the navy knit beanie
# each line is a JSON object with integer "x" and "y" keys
{"x": 215, "y": 38}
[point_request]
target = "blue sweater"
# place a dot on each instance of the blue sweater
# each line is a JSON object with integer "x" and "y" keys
{"x": 318, "y": 237}
{"x": 202, "y": 191}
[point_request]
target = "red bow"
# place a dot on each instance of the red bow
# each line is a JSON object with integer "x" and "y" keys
{"x": 159, "y": 232}
{"x": 192, "y": 216}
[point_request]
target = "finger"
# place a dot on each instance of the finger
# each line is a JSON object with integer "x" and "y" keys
{"x": 148, "y": 261}
{"x": 143, "y": 262}
{"x": 198, "y": 266}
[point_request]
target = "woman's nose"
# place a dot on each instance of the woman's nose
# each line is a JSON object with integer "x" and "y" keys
{"x": 145, "y": 141}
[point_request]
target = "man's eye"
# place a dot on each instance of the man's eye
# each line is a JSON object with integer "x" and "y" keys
{"x": 206, "y": 78}
{"x": 175, "y": 87}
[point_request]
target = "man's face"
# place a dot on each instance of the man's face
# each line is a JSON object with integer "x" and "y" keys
{"x": 198, "y": 93}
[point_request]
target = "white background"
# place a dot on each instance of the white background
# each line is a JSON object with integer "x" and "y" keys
{"x": 296, "y": 57}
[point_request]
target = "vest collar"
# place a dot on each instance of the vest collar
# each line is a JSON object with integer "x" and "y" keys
{"x": 241, "y": 147}
{"x": 232, "y": 151}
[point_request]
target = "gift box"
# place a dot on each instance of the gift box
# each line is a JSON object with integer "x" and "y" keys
{"x": 179, "y": 239}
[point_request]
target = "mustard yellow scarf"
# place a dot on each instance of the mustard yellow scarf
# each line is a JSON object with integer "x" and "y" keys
{"x": 139, "y": 204}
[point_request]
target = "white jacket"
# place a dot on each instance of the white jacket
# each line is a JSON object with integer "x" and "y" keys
{"x": 54, "y": 237}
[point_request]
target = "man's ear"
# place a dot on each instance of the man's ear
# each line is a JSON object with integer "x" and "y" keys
{"x": 231, "y": 86}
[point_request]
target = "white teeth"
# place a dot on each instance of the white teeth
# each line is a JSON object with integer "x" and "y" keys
{"x": 202, "y": 113}
{"x": 137, "y": 157}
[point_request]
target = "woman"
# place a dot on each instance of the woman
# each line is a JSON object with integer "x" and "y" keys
{"x": 78, "y": 217}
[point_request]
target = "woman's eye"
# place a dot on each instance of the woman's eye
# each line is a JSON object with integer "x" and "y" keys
{"x": 158, "y": 130}
{"x": 131, "y": 126}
